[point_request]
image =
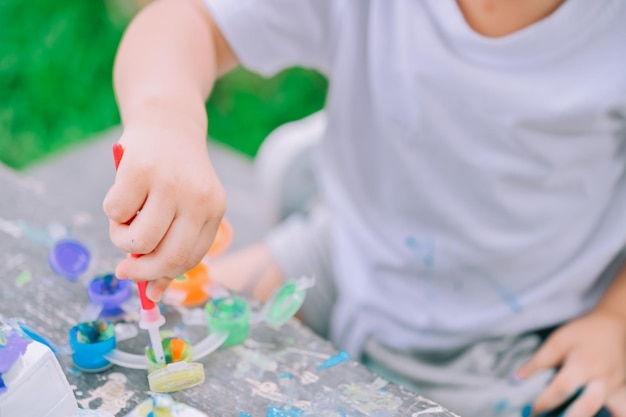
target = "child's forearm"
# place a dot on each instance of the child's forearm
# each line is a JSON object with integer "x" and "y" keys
{"x": 167, "y": 63}
{"x": 613, "y": 300}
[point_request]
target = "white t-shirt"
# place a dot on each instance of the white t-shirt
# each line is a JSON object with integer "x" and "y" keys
{"x": 478, "y": 185}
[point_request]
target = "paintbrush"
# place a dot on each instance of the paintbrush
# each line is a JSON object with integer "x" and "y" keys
{"x": 151, "y": 318}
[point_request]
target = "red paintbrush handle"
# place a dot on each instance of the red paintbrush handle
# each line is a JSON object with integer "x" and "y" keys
{"x": 146, "y": 303}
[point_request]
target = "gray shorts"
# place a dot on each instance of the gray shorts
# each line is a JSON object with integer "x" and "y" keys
{"x": 475, "y": 381}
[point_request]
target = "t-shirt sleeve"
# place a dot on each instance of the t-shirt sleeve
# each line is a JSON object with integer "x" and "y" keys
{"x": 270, "y": 35}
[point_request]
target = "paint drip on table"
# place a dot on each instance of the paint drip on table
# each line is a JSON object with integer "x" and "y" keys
{"x": 164, "y": 406}
{"x": 12, "y": 348}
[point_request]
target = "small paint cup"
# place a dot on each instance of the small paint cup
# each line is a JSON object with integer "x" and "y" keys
{"x": 179, "y": 372}
{"x": 223, "y": 239}
{"x": 110, "y": 292}
{"x": 69, "y": 258}
{"x": 176, "y": 377}
{"x": 90, "y": 341}
{"x": 283, "y": 304}
{"x": 192, "y": 287}
{"x": 229, "y": 315}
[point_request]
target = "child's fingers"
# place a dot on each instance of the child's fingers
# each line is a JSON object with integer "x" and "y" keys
{"x": 590, "y": 402}
{"x": 177, "y": 253}
{"x": 124, "y": 200}
{"x": 565, "y": 384}
{"x": 549, "y": 355}
{"x": 147, "y": 229}
{"x": 156, "y": 288}
{"x": 616, "y": 404}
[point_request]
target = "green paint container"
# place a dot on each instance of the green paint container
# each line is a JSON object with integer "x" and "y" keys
{"x": 229, "y": 314}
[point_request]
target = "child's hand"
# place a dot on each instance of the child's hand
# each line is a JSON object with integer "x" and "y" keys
{"x": 591, "y": 353}
{"x": 166, "y": 202}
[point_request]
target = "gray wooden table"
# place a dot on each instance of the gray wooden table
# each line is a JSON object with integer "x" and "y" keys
{"x": 285, "y": 372}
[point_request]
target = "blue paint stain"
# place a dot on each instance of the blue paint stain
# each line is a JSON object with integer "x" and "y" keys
{"x": 424, "y": 250}
{"x": 526, "y": 410}
{"x": 342, "y": 356}
{"x": 501, "y": 405}
{"x": 411, "y": 242}
{"x": 244, "y": 414}
{"x": 286, "y": 375}
{"x": 36, "y": 337}
{"x": 504, "y": 294}
{"x": 341, "y": 413}
{"x": 283, "y": 412}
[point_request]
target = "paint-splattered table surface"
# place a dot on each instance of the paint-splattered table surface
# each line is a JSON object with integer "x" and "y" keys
{"x": 277, "y": 372}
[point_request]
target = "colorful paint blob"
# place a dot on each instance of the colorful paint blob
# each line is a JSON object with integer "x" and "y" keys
{"x": 110, "y": 284}
{"x": 175, "y": 350}
{"x": 90, "y": 341}
{"x": 94, "y": 332}
{"x": 10, "y": 352}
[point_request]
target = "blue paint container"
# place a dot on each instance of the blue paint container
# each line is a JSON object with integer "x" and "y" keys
{"x": 90, "y": 342}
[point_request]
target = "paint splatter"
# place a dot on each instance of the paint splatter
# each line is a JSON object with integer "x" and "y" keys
{"x": 368, "y": 399}
{"x": 244, "y": 414}
{"x": 342, "y": 356}
{"x": 10, "y": 228}
{"x": 112, "y": 396}
{"x": 501, "y": 406}
{"x": 425, "y": 251}
{"x": 270, "y": 391}
{"x": 36, "y": 336}
{"x": 254, "y": 363}
{"x": 35, "y": 235}
{"x": 13, "y": 348}
{"x": 163, "y": 405}
{"x": 431, "y": 410}
{"x": 273, "y": 411}
{"x": 23, "y": 278}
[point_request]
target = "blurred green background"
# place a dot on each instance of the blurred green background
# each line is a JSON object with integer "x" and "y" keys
{"x": 56, "y": 90}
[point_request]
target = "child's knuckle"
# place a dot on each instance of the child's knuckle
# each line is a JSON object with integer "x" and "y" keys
{"x": 176, "y": 260}
{"x": 142, "y": 245}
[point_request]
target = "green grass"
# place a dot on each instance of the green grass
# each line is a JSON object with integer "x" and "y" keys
{"x": 55, "y": 79}
{"x": 244, "y": 107}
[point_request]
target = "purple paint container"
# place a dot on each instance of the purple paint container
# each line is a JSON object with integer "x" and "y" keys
{"x": 110, "y": 292}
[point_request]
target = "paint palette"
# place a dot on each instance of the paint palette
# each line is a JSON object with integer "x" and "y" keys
{"x": 228, "y": 319}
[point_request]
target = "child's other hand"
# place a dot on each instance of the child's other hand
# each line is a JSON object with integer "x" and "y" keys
{"x": 166, "y": 203}
{"x": 591, "y": 353}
